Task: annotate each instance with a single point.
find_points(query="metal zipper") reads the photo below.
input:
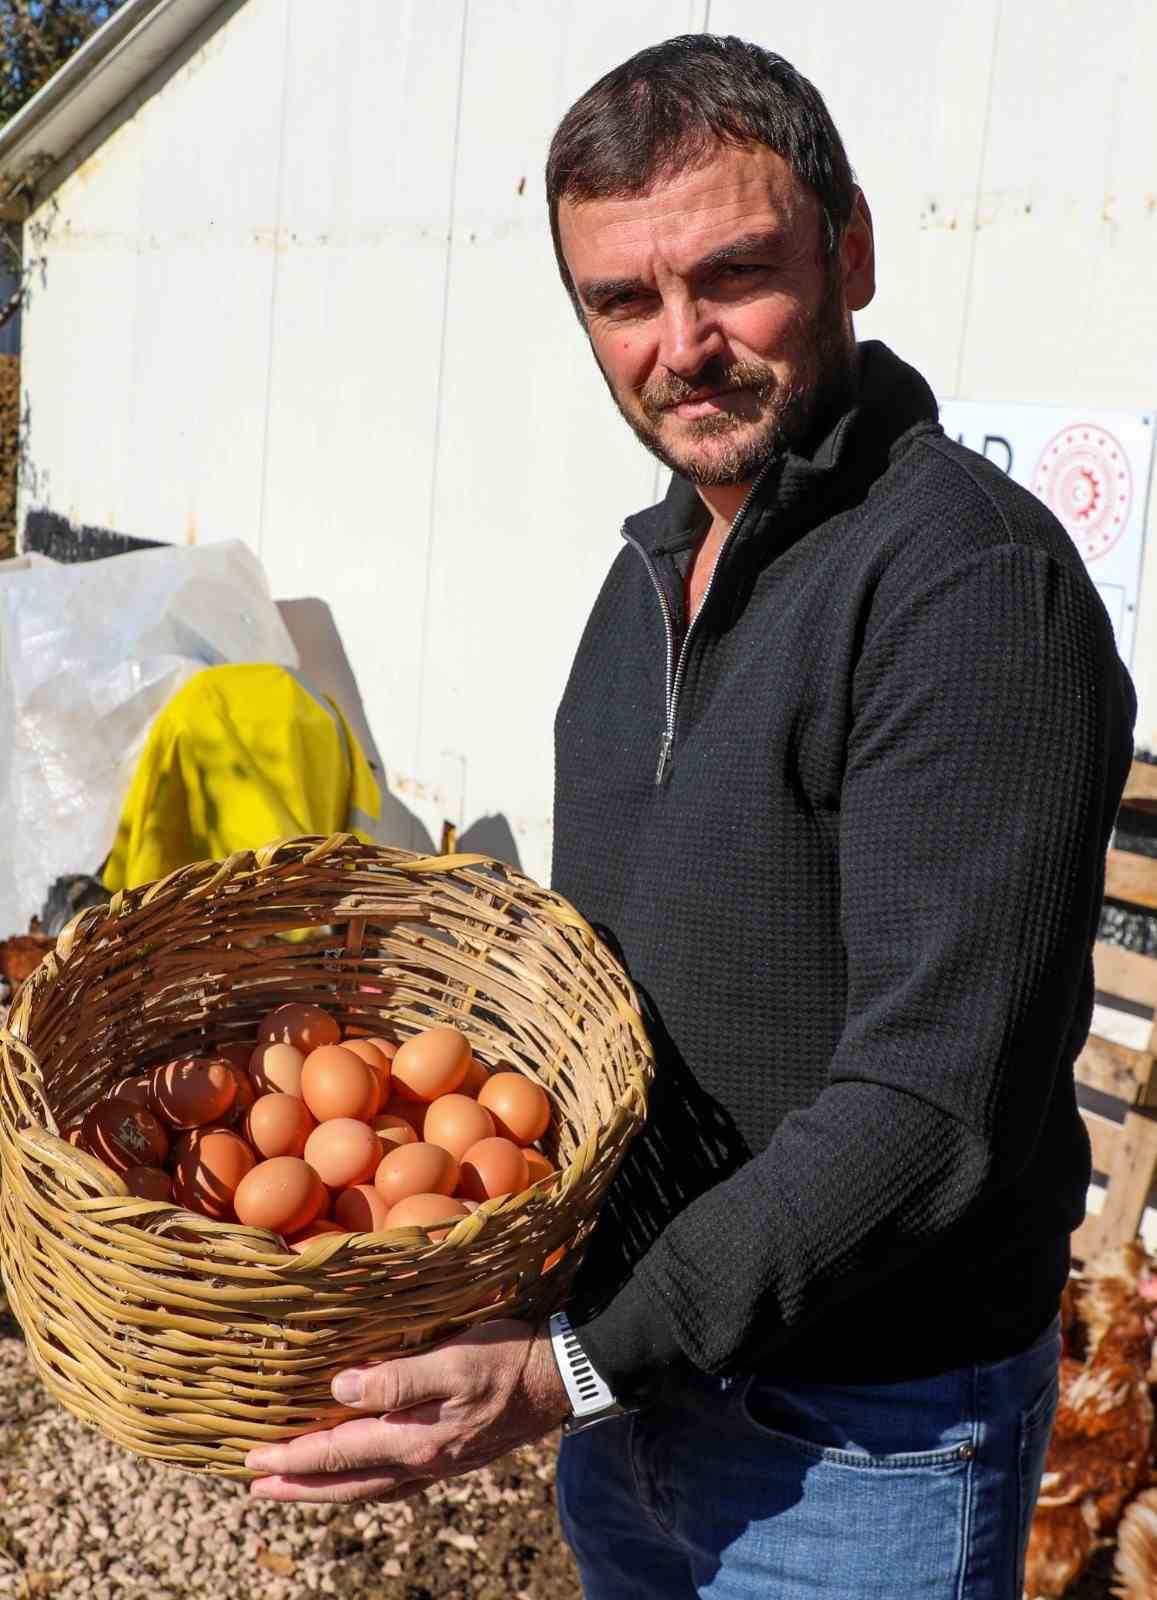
(665, 746)
(674, 681)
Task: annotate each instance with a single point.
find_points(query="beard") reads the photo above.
(786, 413)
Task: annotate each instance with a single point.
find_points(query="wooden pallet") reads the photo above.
(1125, 1150)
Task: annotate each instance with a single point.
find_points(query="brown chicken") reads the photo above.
(20, 956)
(1100, 1450)
(1108, 1291)
(1135, 1563)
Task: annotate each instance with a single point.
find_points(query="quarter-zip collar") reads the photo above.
(891, 399)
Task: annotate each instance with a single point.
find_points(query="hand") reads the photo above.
(433, 1416)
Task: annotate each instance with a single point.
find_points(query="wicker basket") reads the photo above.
(188, 1340)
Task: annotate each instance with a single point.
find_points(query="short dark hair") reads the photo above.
(669, 105)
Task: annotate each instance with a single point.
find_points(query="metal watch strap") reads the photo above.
(590, 1398)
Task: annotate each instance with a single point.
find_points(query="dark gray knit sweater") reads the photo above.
(859, 907)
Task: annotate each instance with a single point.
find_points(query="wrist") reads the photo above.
(589, 1396)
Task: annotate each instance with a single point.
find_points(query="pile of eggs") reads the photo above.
(309, 1133)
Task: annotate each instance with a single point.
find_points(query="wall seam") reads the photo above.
(275, 278)
(439, 390)
(985, 134)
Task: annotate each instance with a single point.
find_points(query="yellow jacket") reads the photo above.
(240, 756)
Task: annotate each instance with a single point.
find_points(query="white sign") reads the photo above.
(1091, 468)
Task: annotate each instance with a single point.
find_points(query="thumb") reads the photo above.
(394, 1385)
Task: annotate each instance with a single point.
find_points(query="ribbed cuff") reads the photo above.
(629, 1342)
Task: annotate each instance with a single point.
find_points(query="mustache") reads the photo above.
(669, 389)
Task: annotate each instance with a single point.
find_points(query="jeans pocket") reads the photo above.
(853, 1428)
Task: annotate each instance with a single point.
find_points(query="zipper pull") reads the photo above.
(664, 756)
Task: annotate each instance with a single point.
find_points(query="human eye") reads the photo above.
(628, 303)
(737, 270)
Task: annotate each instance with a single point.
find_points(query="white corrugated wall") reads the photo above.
(306, 297)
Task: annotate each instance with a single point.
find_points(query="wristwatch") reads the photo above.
(591, 1401)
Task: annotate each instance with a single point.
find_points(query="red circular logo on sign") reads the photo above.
(1083, 477)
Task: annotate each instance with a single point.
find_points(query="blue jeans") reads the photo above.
(736, 1488)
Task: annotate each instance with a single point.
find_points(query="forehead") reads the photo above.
(688, 215)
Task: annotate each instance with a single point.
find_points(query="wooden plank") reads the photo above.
(1131, 878)
(1105, 1137)
(1141, 786)
(1125, 973)
(1118, 1026)
(1114, 1069)
(1130, 1181)
(1086, 1240)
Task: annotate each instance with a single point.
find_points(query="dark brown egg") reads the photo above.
(209, 1171)
(149, 1183)
(123, 1135)
(305, 1027)
(194, 1090)
(137, 1087)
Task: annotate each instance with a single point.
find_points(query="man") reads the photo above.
(836, 770)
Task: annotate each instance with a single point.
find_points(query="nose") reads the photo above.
(688, 339)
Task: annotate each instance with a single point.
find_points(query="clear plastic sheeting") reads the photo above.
(88, 656)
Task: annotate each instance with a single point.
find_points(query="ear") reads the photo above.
(858, 256)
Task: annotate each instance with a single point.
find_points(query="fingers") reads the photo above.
(401, 1383)
(364, 1444)
(339, 1487)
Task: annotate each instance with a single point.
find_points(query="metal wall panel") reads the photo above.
(146, 343)
(357, 329)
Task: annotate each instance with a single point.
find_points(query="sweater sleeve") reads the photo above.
(978, 795)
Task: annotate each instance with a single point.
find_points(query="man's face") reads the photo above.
(718, 321)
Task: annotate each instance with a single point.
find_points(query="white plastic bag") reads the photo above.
(88, 655)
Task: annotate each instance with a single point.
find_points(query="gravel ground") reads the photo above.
(82, 1519)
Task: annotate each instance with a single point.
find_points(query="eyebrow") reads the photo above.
(595, 290)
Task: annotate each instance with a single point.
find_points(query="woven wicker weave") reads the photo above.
(188, 1340)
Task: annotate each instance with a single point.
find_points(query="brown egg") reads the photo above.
(278, 1125)
(276, 1069)
(493, 1167)
(552, 1260)
(361, 1209)
(343, 1152)
(284, 1195)
(137, 1088)
(416, 1169)
(305, 1027)
(75, 1137)
(211, 1167)
(236, 1054)
(423, 1210)
(193, 1090)
(387, 1046)
(316, 1230)
(433, 1062)
(124, 1135)
(149, 1183)
(370, 1053)
(190, 1138)
(456, 1122)
(538, 1165)
(476, 1076)
(392, 1131)
(337, 1083)
(520, 1108)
